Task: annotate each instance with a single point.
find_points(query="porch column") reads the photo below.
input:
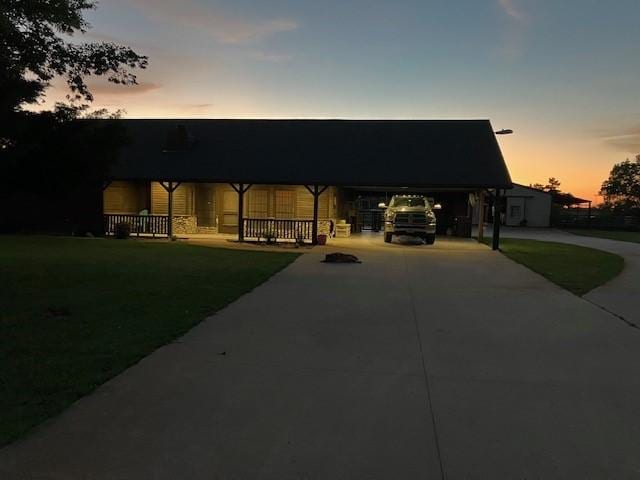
(497, 208)
(104, 230)
(170, 187)
(240, 189)
(316, 191)
(481, 216)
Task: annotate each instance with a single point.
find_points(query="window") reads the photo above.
(515, 211)
(398, 201)
(230, 208)
(285, 204)
(257, 203)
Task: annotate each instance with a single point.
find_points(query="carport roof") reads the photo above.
(425, 153)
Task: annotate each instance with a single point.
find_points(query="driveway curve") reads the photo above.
(621, 295)
(449, 362)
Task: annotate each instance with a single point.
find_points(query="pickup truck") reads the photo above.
(410, 215)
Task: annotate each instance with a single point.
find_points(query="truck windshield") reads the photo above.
(408, 202)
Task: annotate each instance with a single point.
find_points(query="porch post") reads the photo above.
(170, 211)
(241, 212)
(497, 207)
(481, 216)
(240, 189)
(170, 187)
(316, 191)
(314, 231)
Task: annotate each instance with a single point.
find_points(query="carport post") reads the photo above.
(497, 207)
(481, 216)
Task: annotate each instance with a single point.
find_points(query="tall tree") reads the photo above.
(36, 45)
(51, 165)
(622, 189)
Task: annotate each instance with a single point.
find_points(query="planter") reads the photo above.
(322, 239)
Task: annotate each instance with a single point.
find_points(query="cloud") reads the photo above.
(511, 9)
(224, 28)
(104, 88)
(271, 57)
(513, 43)
(625, 139)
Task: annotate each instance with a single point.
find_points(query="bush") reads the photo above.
(123, 230)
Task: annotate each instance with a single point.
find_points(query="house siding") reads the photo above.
(124, 197)
(271, 201)
(183, 199)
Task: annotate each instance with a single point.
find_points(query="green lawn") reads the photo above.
(578, 269)
(621, 235)
(76, 312)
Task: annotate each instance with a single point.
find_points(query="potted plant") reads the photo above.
(322, 239)
(122, 230)
(270, 237)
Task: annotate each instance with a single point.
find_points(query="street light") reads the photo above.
(495, 240)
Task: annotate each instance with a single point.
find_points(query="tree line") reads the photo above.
(53, 162)
(620, 191)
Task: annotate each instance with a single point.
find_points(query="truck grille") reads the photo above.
(411, 218)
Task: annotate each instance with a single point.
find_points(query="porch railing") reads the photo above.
(140, 224)
(279, 229)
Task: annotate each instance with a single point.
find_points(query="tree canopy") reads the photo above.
(48, 161)
(36, 45)
(622, 189)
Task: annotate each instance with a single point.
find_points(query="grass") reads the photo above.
(76, 312)
(620, 235)
(577, 269)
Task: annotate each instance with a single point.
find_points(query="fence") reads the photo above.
(278, 229)
(604, 222)
(140, 224)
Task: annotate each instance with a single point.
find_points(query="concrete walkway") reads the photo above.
(621, 295)
(447, 362)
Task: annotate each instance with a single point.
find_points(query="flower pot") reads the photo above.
(322, 239)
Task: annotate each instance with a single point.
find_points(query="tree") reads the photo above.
(36, 47)
(553, 186)
(51, 161)
(622, 189)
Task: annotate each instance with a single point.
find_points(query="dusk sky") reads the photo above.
(564, 75)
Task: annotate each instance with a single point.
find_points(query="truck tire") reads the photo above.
(387, 237)
(430, 238)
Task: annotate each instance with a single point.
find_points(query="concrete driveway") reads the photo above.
(448, 362)
(620, 296)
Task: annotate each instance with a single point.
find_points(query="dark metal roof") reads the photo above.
(426, 153)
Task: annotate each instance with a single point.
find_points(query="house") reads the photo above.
(298, 177)
(524, 206)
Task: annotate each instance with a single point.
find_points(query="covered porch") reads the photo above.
(250, 212)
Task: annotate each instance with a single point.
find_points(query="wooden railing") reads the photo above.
(140, 224)
(267, 228)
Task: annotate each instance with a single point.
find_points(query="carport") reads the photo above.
(292, 163)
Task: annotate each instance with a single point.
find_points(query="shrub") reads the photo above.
(122, 230)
